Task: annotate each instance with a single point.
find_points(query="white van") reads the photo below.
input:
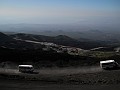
(109, 64)
(25, 68)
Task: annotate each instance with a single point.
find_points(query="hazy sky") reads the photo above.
(60, 12)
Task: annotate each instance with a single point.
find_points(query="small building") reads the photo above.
(25, 68)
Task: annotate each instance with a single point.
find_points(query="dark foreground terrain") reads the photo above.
(34, 85)
(90, 78)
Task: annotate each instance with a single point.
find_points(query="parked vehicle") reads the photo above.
(26, 68)
(109, 64)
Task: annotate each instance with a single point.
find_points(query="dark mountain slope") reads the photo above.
(60, 39)
(5, 38)
(8, 42)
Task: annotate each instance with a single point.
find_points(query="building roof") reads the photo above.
(107, 61)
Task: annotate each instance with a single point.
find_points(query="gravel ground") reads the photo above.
(33, 85)
(82, 78)
(77, 76)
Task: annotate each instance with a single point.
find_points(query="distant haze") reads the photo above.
(28, 28)
(63, 14)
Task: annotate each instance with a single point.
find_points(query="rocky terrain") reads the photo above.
(47, 51)
(75, 76)
(58, 60)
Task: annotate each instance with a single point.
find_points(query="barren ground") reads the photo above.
(82, 78)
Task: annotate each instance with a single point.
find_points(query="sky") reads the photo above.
(83, 12)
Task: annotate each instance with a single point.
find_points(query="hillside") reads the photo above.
(60, 39)
(5, 38)
(58, 51)
(9, 42)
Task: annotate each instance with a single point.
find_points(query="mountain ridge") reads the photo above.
(60, 40)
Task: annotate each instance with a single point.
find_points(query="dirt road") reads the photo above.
(57, 71)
